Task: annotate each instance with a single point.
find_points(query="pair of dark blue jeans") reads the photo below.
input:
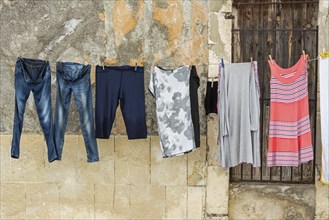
(33, 75)
(75, 78)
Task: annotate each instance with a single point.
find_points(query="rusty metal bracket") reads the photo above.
(228, 15)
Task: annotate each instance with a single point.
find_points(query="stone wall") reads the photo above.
(166, 33)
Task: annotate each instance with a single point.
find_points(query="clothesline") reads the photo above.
(101, 64)
(169, 66)
(172, 66)
(120, 64)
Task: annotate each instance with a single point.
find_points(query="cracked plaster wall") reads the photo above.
(167, 33)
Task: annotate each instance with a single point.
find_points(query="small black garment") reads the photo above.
(210, 102)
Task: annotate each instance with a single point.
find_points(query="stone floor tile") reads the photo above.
(321, 199)
(129, 172)
(122, 201)
(97, 172)
(217, 197)
(176, 202)
(195, 203)
(137, 150)
(101, 171)
(156, 153)
(220, 218)
(167, 171)
(139, 174)
(42, 201)
(65, 170)
(76, 201)
(212, 134)
(103, 201)
(132, 161)
(119, 126)
(121, 172)
(105, 149)
(30, 167)
(5, 147)
(70, 152)
(112, 202)
(147, 202)
(13, 201)
(196, 165)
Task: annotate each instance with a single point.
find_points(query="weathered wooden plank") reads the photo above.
(286, 174)
(266, 123)
(269, 48)
(247, 50)
(308, 168)
(310, 48)
(256, 53)
(235, 172)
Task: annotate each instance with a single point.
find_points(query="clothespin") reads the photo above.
(270, 58)
(152, 67)
(103, 65)
(324, 55)
(134, 63)
(212, 82)
(304, 55)
(222, 62)
(251, 59)
(93, 73)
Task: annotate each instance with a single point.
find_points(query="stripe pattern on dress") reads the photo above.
(289, 129)
(290, 158)
(288, 93)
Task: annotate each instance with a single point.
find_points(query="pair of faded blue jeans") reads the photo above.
(34, 75)
(75, 78)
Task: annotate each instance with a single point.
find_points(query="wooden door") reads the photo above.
(282, 28)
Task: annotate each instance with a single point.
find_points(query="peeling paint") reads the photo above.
(123, 20)
(70, 27)
(101, 16)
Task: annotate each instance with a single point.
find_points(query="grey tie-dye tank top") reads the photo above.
(173, 109)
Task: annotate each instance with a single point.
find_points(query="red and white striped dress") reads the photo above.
(290, 141)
